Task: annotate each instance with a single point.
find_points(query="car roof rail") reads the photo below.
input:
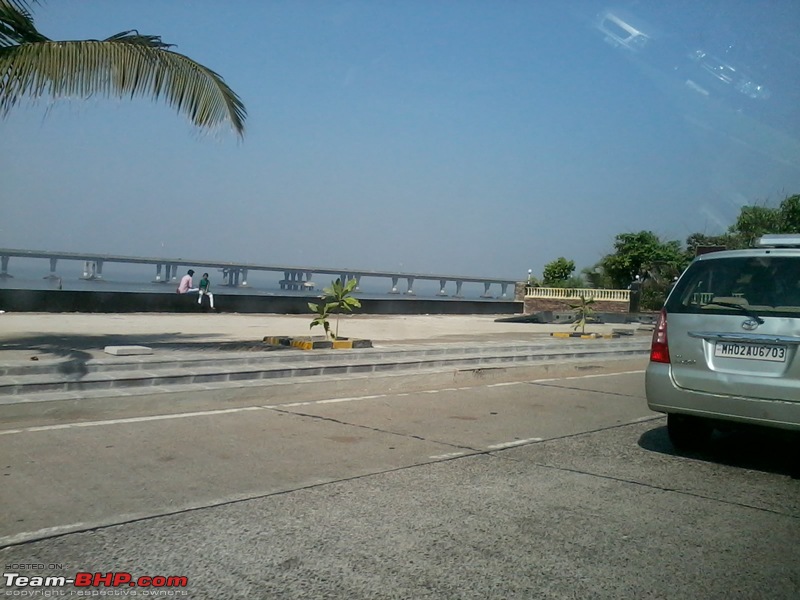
(779, 240)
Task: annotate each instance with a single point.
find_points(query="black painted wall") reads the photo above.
(15, 300)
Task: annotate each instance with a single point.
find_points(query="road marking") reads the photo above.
(225, 411)
(330, 401)
(585, 376)
(450, 455)
(512, 444)
(131, 420)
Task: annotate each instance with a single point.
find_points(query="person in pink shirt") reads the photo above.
(186, 286)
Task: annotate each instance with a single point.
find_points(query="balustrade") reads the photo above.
(546, 293)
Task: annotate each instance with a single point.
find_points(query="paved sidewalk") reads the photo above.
(24, 336)
(59, 360)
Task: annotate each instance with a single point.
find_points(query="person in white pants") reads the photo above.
(205, 286)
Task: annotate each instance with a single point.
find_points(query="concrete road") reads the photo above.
(557, 487)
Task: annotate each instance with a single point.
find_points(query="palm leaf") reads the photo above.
(124, 65)
(16, 24)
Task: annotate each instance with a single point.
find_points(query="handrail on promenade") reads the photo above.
(549, 293)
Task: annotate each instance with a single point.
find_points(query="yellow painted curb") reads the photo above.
(305, 343)
(584, 336)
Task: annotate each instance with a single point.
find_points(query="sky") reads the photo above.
(473, 137)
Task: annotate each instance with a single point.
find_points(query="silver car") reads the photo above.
(726, 348)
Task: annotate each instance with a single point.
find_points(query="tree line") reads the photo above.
(657, 262)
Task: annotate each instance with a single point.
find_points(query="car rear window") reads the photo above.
(763, 284)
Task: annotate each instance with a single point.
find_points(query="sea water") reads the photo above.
(33, 274)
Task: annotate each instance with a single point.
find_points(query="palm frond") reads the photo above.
(126, 64)
(16, 24)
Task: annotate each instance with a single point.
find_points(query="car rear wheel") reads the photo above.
(688, 433)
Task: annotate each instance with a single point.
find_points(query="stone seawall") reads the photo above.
(56, 301)
(534, 305)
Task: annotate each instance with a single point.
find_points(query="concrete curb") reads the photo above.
(22, 381)
(314, 343)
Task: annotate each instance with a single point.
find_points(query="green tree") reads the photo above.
(642, 254)
(583, 312)
(727, 240)
(124, 65)
(323, 315)
(574, 281)
(754, 221)
(335, 300)
(596, 277)
(789, 220)
(557, 272)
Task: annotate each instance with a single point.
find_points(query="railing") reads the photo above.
(575, 294)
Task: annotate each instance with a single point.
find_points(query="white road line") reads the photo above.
(512, 444)
(329, 401)
(450, 455)
(585, 376)
(206, 413)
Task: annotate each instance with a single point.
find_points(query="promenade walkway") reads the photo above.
(25, 335)
(46, 358)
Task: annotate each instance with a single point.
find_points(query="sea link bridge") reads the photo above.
(235, 274)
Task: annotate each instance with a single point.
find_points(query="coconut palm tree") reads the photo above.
(124, 65)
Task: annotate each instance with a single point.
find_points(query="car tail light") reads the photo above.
(659, 349)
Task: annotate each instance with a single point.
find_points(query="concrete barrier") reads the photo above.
(58, 301)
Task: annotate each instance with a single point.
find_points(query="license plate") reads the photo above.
(751, 351)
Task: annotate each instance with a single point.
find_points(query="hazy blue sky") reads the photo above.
(474, 137)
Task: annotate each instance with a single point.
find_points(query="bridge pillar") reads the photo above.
(306, 284)
(458, 289)
(358, 283)
(486, 293)
(90, 269)
(504, 288)
(394, 285)
(410, 292)
(230, 277)
(158, 274)
(293, 280)
(99, 273)
(442, 283)
(244, 277)
(52, 275)
(4, 267)
(172, 272)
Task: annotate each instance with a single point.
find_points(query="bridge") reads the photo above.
(235, 274)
